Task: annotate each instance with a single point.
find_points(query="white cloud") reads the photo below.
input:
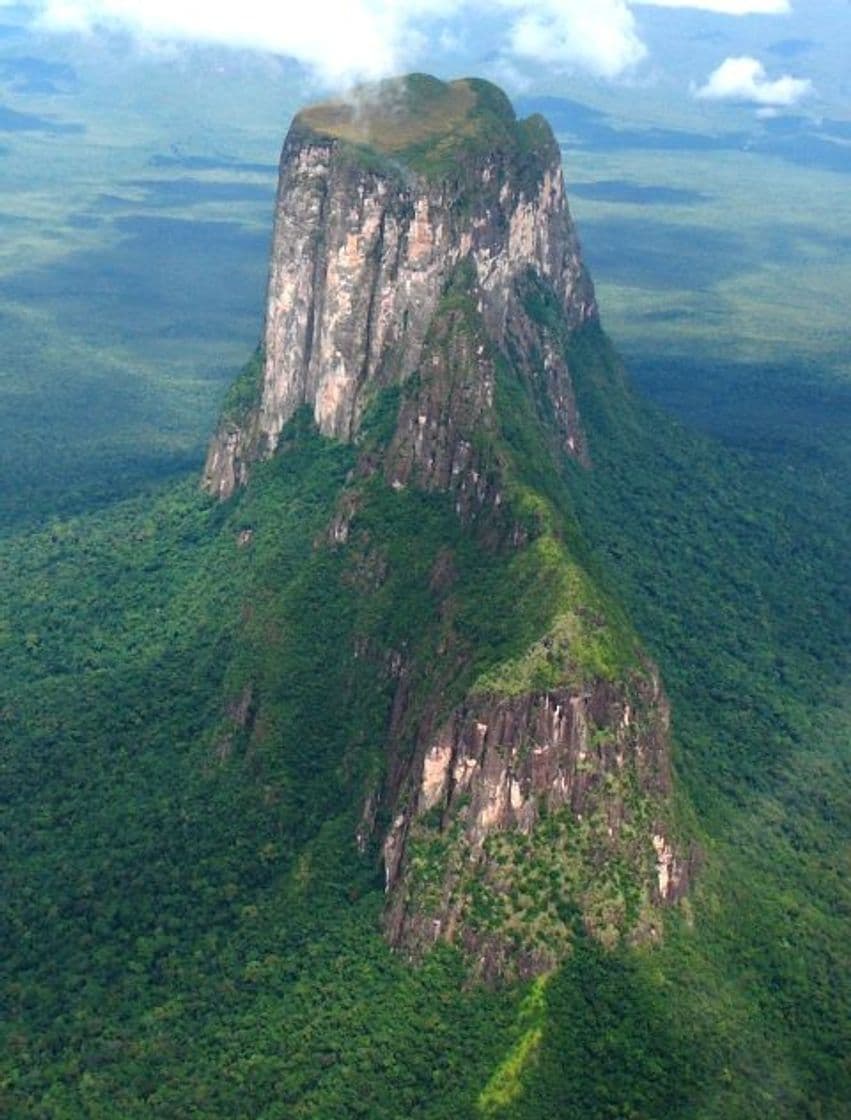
(745, 79)
(726, 7)
(347, 40)
(340, 39)
(343, 41)
(600, 37)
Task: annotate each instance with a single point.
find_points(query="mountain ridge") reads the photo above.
(451, 297)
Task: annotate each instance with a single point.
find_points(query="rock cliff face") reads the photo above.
(520, 812)
(367, 235)
(425, 263)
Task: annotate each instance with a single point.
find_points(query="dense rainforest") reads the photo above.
(189, 928)
(179, 945)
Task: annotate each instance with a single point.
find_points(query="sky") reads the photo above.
(345, 41)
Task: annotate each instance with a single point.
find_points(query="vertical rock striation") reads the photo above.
(423, 241)
(521, 812)
(369, 228)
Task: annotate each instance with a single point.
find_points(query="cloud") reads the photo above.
(745, 79)
(347, 40)
(726, 7)
(600, 37)
(344, 41)
(339, 39)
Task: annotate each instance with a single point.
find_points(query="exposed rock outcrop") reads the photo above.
(517, 811)
(366, 237)
(425, 263)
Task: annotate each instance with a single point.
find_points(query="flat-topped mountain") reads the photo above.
(379, 200)
(288, 766)
(425, 289)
